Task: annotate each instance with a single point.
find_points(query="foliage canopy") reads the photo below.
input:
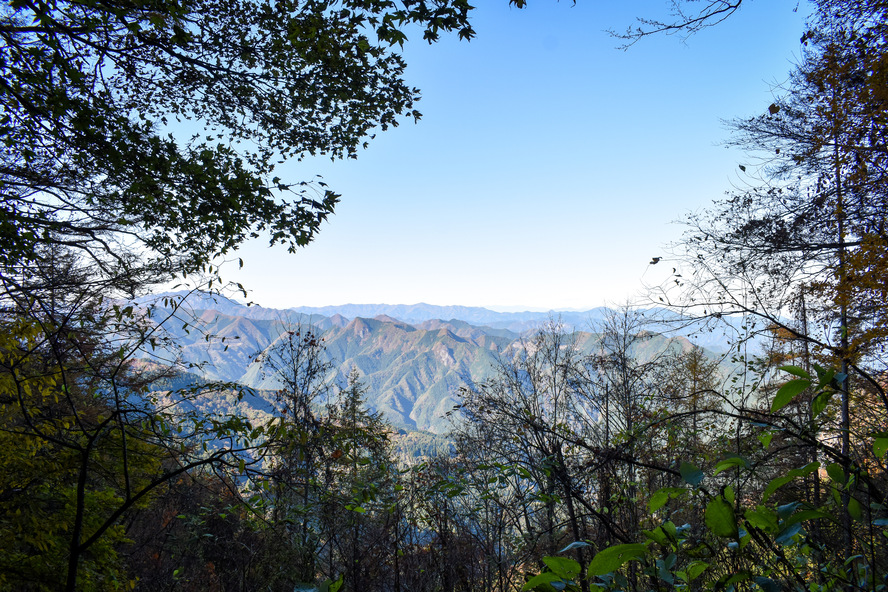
(95, 98)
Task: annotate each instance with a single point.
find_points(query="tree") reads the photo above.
(89, 92)
(197, 534)
(42, 467)
(296, 452)
(328, 485)
(568, 431)
(811, 238)
(801, 254)
(686, 18)
(811, 234)
(89, 444)
(690, 394)
(358, 509)
(90, 179)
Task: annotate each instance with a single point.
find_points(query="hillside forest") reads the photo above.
(729, 434)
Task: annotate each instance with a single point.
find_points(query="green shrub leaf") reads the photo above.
(820, 402)
(796, 371)
(731, 462)
(788, 392)
(541, 579)
(662, 495)
(613, 558)
(565, 567)
(836, 473)
(720, 518)
(690, 473)
(880, 446)
(695, 569)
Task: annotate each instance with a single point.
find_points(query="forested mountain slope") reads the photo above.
(413, 372)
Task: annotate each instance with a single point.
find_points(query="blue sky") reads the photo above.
(548, 167)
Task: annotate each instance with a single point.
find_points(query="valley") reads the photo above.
(413, 367)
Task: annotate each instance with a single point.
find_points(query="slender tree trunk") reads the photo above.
(572, 515)
(397, 565)
(77, 531)
(845, 427)
(806, 353)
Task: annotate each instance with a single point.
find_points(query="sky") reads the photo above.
(548, 168)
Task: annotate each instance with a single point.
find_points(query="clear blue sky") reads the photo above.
(548, 167)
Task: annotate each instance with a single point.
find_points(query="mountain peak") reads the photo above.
(384, 318)
(337, 320)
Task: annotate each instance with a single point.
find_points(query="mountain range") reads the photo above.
(411, 360)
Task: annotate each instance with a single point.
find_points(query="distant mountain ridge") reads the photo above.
(408, 313)
(661, 320)
(413, 370)
(475, 315)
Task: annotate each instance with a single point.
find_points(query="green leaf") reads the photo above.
(565, 567)
(720, 518)
(658, 500)
(774, 485)
(880, 446)
(737, 578)
(796, 371)
(767, 584)
(786, 535)
(731, 462)
(788, 392)
(824, 377)
(779, 482)
(662, 495)
(541, 579)
(804, 471)
(836, 492)
(820, 402)
(762, 518)
(663, 573)
(836, 473)
(613, 558)
(854, 509)
(658, 535)
(326, 585)
(690, 473)
(784, 511)
(695, 569)
(808, 515)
